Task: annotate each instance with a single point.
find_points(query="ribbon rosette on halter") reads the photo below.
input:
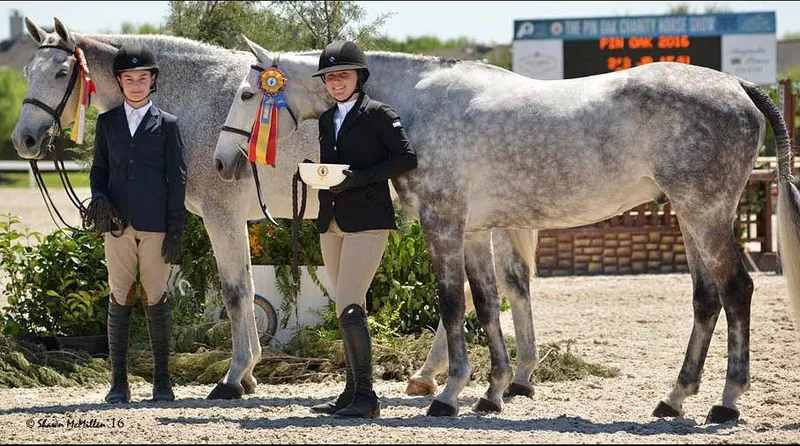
(86, 87)
(264, 139)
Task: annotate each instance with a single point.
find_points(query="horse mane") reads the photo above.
(433, 60)
(414, 57)
(161, 43)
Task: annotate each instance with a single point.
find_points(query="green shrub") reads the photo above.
(55, 286)
(271, 245)
(58, 283)
(403, 297)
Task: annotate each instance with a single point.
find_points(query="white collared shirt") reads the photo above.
(135, 115)
(342, 108)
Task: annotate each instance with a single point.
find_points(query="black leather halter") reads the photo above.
(55, 142)
(249, 134)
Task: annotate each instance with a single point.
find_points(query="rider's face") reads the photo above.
(341, 84)
(136, 85)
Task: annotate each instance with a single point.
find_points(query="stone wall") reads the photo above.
(621, 251)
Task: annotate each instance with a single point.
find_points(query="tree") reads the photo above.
(13, 89)
(223, 23)
(321, 22)
(685, 9)
(421, 45)
(281, 26)
(679, 9)
(791, 36)
(717, 9)
(146, 28)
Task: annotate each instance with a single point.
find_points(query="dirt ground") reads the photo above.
(28, 204)
(640, 324)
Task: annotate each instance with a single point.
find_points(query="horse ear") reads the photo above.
(37, 34)
(261, 54)
(63, 32)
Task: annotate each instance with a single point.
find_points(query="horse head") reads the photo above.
(230, 155)
(50, 103)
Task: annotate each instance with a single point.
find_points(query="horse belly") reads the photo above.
(558, 207)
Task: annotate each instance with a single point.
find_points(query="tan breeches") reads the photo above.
(351, 259)
(122, 256)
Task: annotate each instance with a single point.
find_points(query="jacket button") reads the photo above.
(130, 161)
(130, 177)
(133, 145)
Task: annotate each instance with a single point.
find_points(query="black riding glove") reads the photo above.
(348, 182)
(172, 248)
(98, 214)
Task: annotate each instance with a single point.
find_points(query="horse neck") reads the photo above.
(393, 77)
(191, 68)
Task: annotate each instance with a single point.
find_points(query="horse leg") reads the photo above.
(514, 252)
(444, 234)
(231, 250)
(249, 381)
(481, 275)
(514, 274)
(424, 380)
(707, 306)
(717, 246)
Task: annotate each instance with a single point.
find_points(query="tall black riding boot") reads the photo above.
(358, 344)
(158, 323)
(118, 330)
(346, 396)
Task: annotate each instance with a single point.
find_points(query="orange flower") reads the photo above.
(255, 241)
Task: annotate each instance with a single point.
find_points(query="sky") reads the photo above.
(485, 22)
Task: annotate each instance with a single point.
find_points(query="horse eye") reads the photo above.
(61, 73)
(246, 95)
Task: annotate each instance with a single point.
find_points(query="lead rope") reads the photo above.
(297, 218)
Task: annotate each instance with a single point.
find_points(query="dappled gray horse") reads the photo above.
(496, 149)
(509, 254)
(197, 84)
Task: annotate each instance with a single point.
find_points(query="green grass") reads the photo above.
(51, 179)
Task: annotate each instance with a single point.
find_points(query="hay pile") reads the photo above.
(203, 358)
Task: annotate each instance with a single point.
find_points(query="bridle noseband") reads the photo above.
(55, 141)
(56, 112)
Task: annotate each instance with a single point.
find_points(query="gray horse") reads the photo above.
(496, 149)
(509, 253)
(197, 84)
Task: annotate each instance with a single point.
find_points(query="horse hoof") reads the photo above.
(420, 387)
(249, 386)
(440, 409)
(519, 390)
(226, 392)
(485, 405)
(664, 410)
(721, 414)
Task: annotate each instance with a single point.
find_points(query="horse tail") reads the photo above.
(788, 197)
(525, 242)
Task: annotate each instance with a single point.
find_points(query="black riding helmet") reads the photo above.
(342, 55)
(136, 56)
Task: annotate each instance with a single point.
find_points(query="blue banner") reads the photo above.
(705, 25)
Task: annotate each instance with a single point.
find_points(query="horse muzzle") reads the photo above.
(232, 170)
(30, 147)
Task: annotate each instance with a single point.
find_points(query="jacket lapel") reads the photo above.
(149, 122)
(353, 114)
(122, 122)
